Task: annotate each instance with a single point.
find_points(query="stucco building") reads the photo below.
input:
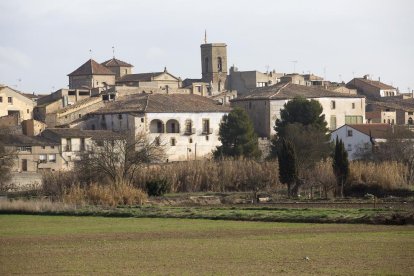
(15, 103)
(372, 89)
(264, 104)
(186, 125)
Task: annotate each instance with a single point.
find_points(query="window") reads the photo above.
(80, 115)
(28, 111)
(392, 121)
(52, 147)
(349, 147)
(68, 144)
(24, 165)
(72, 92)
(333, 123)
(173, 142)
(207, 137)
(353, 105)
(42, 158)
(189, 127)
(1, 99)
(333, 104)
(349, 133)
(52, 158)
(353, 119)
(410, 121)
(120, 116)
(10, 100)
(43, 147)
(25, 148)
(82, 144)
(206, 126)
(142, 120)
(190, 140)
(219, 64)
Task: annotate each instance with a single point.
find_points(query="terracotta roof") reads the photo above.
(395, 103)
(91, 67)
(376, 84)
(139, 77)
(23, 140)
(289, 90)
(162, 103)
(113, 62)
(376, 130)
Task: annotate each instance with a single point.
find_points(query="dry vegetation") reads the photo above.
(220, 176)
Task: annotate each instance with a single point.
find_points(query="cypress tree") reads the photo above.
(288, 172)
(340, 164)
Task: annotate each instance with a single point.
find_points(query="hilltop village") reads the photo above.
(106, 99)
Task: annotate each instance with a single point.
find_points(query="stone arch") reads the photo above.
(157, 126)
(410, 121)
(172, 126)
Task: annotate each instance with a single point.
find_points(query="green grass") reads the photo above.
(65, 245)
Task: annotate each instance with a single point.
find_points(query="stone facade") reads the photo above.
(244, 81)
(214, 65)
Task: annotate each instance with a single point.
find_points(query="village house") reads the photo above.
(245, 81)
(186, 125)
(391, 110)
(360, 139)
(15, 103)
(91, 75)
(372, 89)
(264, 104)
(74, 142)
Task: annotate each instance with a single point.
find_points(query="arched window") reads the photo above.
(206, 64)
(219, 64)
(410, 121)
(156, 126)
(173, 126)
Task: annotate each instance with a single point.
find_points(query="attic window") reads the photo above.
(353, 105)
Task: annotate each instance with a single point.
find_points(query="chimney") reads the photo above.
(366, 77)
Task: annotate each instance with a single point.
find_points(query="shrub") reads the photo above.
(157, 187)
(105, 195)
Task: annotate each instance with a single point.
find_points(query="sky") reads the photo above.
(41, 41)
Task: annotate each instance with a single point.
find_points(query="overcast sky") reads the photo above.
(44, 40)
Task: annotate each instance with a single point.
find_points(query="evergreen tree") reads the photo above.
(237, 136)
(340, 164)
(288, 172)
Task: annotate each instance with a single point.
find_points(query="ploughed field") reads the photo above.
(65, 245)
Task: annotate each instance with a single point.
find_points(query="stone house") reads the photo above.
(264, 104)
(360, 138)
(91, 75)
(372, 89)
(245, 81)
(187, 125)
(119, 67)
(391, 110)
(74, 142)
(13, 102)
(163, 80)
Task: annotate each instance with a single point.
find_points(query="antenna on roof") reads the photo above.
(113, 51)
(294, 65)
(205, 36)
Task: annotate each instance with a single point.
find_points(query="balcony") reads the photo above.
(190, 131)
(207, 131)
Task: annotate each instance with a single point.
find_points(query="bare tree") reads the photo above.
(119, 158)
(7, 156)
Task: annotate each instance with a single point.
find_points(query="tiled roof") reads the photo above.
(162, 103)
(113, 62)
(23, 140)
(139, 77)
(376, 84)
(91, 67)
(391, 102)
(375, 130)
(79, 133)
(283, 90)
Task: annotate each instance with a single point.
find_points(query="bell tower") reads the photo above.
(214, 65)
